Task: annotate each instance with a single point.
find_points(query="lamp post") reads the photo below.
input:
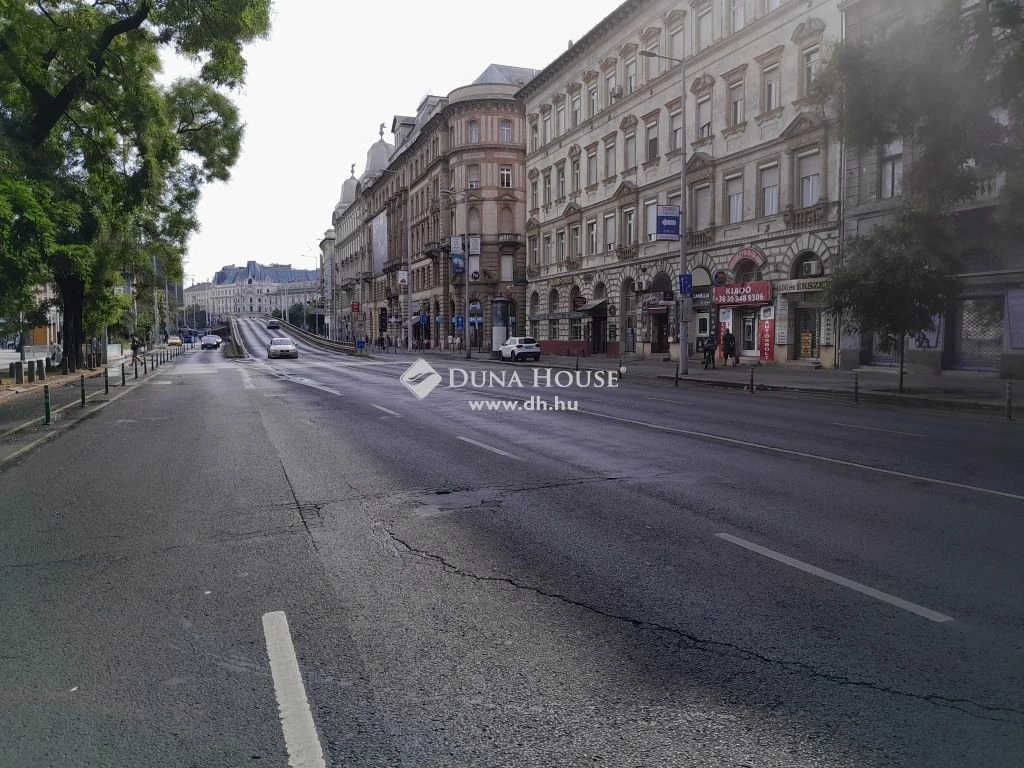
(683, 304)
(465, 274)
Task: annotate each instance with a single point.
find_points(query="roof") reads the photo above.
(275, 273)
(502, 74)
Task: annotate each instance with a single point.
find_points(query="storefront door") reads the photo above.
(659, 333)
(808, 321)
(748, 339)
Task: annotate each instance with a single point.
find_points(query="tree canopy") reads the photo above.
(101, 164)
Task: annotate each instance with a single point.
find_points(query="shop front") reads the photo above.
(805, 330)
(738, 306)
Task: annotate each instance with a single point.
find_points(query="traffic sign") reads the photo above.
(667, 222)
(460, 322)
(360, 344)
(686, 284)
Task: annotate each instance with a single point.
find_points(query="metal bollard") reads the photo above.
(10, 368)
(751, 379)
(19, 372)
(46, 403)
(577, 359)
(106, 381)
(1009, 401)
(41, 370)
(65, 364)
(82, 380)
(72, 364)
(144, 366)
(856, 389)
(31, 371)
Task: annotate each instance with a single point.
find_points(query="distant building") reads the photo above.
(255, 289)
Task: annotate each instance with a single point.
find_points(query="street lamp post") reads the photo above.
(465, 274)
(683, 304)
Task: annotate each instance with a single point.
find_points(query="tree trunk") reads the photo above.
(903, 348)
(72, 291)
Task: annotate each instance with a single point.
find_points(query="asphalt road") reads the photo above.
(661, 577)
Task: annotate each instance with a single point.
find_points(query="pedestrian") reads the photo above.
(729, 351)
(451, 341)
(135, 344)
(710, 346)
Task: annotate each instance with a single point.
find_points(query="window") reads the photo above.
(505, 132)
(592, 103)
(505, 176)
(474, 132)
(561, 181)
(533, 250)
(704, 28)
(651, 218)
(736, 115)
(809, 170)
(576, 174)
(770, 190)
(560, 120)
(734, 199)
(771, 5)
(547, 128)
(652, 63)
(576, 109)
(473, 176)
(811, 62)
(534, 138)
(702, 208)
(547, 187)
(630, 71)
(629, 151)
(739, 11)
(609, 87)
(675, 44)
(704, 118)
(547, 249)
(628, 226)
(534, 202)
(591, 166)
(747, 271)
(508, 266)
(592, 236)
(771, 95)
(652, 140)
(892, 169)
(560, 246)
(609, 160)
(574, 241)
(609, 231)
(675, 130)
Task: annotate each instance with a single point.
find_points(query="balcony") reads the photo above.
(510, 237)
(393, 264)
(573, 264)
(627, 252)
(432, 249)
(701, 239)
(806, 217)
(533, 271)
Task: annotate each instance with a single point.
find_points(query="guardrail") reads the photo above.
(348, 347)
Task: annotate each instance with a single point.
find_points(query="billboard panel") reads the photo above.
(379, 234)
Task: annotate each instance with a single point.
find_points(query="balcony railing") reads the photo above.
(626, 252)
(509, 237)
(701, 239)
(573, 263)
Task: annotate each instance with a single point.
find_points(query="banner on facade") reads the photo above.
(766, 330)
(738, 294)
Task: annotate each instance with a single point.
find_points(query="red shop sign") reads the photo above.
(750, 294)
(767, 345)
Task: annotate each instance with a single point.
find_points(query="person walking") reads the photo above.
(710, 347)
(729, 351)
(135, 344)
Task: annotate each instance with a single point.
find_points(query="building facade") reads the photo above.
(254, 289)
(976, 332)
(456, 170)
(609, 130)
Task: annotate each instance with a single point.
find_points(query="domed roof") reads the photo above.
(348, 189)
(379, 154)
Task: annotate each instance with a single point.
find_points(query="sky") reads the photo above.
(318, 89)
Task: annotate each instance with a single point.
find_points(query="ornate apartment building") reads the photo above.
(254, 289)
(456, 170)
(608, 134)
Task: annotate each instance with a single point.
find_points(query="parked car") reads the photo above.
(174, 341)
(282, 347)
(210, 342)
(519, 348)
(273, 324)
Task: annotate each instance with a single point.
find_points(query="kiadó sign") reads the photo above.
(740, 294)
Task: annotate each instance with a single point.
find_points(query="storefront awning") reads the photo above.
(593, 305)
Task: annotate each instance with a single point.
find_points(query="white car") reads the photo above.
(519, 348)
(282, 347)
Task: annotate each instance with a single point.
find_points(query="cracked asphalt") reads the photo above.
(509, 589)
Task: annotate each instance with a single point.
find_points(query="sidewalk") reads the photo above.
(953, 389)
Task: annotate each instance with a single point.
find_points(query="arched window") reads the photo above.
(807, 264)
(747, 271)
(505, 220)
(473, 132)
(600, 291)
(473, 219)
(505, 132)
(534, 303)
(553, 300)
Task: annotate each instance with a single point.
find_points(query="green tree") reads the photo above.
(893, 283)
(85, 126)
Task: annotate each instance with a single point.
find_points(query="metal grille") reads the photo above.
(878, 357)
(978, 341)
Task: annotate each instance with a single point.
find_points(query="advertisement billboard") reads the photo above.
(379, 235)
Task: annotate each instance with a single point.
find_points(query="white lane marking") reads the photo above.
(669, 400)
(803, 455)
(885, 597)
(300, 738)
(247, 380)
(485, 447)
(875, 429)
(386, 410)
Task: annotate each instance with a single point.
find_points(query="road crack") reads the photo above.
(685, 641)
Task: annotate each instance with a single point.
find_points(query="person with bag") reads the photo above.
(136, 344)
(729, 351)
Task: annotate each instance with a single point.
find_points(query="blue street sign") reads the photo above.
(460, 322)
(424, 320)
(686, 284)
(360, 344)
(667, 222)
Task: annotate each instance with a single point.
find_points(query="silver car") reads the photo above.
(282, 347)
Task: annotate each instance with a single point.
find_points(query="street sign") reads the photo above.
(360, 344)
(474, 245)
(424, 319)
(474, 306)
(355, 306)
(720, 277)
(460, 322)
(578, 303)
(686, 284)
(403, 277)
(667, 222)
(456, 246)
